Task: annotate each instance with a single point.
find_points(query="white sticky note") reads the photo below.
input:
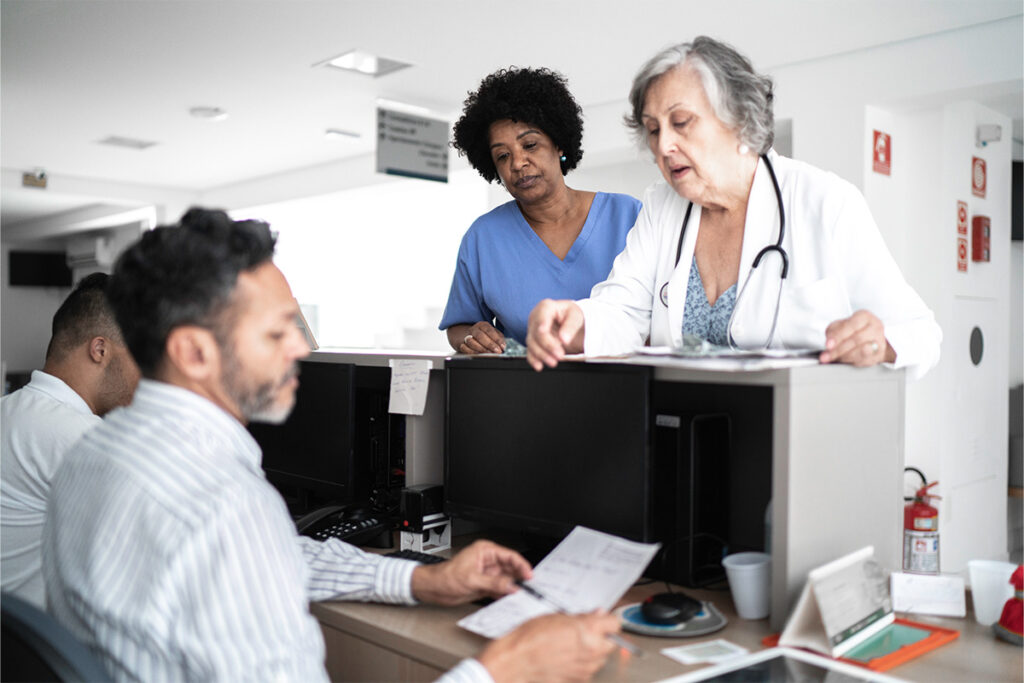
(409, 380)
(709, 651)
(941, 594)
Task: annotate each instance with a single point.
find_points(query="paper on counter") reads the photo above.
(709, 651)
(587, 570)
(409, 380)
(924, 594)
(726, 352)
(724, 359)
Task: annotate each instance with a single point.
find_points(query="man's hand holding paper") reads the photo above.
(589, 570)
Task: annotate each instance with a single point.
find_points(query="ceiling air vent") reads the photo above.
(129, 143)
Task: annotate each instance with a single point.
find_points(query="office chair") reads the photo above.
(37, 648)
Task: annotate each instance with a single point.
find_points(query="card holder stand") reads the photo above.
(845, 612)
(900, 654)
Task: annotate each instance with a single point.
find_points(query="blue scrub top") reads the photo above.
(505, 269)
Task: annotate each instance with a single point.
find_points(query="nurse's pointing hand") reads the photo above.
(554, 329)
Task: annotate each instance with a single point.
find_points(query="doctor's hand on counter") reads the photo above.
(858, 340)
(554, 329)
(555, 647)
(481, 337)
(484, 569)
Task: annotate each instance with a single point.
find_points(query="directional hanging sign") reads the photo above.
(412, 146)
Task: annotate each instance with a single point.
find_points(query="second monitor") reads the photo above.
(544, 452)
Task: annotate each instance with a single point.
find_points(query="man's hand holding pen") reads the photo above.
(556, 646)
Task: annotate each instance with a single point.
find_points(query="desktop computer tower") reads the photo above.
(379, 436)
(339, 446)
(711, 465)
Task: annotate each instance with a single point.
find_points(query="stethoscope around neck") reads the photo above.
(776, 248)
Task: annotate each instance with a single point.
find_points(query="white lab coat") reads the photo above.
(838, 264)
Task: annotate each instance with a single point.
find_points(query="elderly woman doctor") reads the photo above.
(739, 245)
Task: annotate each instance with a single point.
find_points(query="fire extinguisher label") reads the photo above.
(925, 523)
(921, 552)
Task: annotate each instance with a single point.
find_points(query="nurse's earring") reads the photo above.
(743, 149)
(562, 158)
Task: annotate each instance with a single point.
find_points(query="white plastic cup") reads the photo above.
(990, 588)
(750, 580)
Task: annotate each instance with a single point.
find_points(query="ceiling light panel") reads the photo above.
(364, 63)
(338, 133)
(208, 113)
(127, 143)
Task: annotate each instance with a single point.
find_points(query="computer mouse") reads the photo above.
(669, 609)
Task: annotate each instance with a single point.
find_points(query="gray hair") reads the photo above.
(740, 97)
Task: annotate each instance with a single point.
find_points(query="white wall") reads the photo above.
(956, 416)
(1017, 314)
(826, 98)
(628, 177)
(378, 260)
(27, 313)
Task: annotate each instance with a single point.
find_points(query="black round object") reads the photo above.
(977, 345)
(669, 608)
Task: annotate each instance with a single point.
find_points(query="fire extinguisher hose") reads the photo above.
(924, 480)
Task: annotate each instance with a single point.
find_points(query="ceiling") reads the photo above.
(77, 71)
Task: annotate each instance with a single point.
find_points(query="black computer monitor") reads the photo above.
(544, 452)
(334, 447)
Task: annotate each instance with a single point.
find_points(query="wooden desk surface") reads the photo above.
(428, 636)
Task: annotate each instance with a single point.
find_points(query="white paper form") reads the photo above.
(587, 570)
(409, 380)
(729, 360)
(923, 594)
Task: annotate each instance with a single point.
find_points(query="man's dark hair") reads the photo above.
(183, 274)
(539, 97)
(85, 314)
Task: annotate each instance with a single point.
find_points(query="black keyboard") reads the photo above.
(354, 531)
(422, 558)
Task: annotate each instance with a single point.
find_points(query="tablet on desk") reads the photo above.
(783, 664)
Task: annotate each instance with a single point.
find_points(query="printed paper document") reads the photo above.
(587, 570)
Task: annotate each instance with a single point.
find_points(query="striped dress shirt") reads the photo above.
(168, 552)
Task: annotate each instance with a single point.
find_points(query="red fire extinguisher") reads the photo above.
(921, 530)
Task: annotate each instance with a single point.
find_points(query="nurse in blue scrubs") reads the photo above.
(523, 128)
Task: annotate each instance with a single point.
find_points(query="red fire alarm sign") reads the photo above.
(882, 153)
(961, 254)
(978, 177)
(961, 218)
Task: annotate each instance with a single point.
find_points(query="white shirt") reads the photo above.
(40, 422)
(167, 551)
(838, 264)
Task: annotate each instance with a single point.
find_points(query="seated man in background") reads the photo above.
(167, 550)
(88, 371)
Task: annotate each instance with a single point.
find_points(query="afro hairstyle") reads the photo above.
(536, 96)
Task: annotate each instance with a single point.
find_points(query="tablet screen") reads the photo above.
(782, 667)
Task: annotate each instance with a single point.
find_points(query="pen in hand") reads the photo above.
(614, 637)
